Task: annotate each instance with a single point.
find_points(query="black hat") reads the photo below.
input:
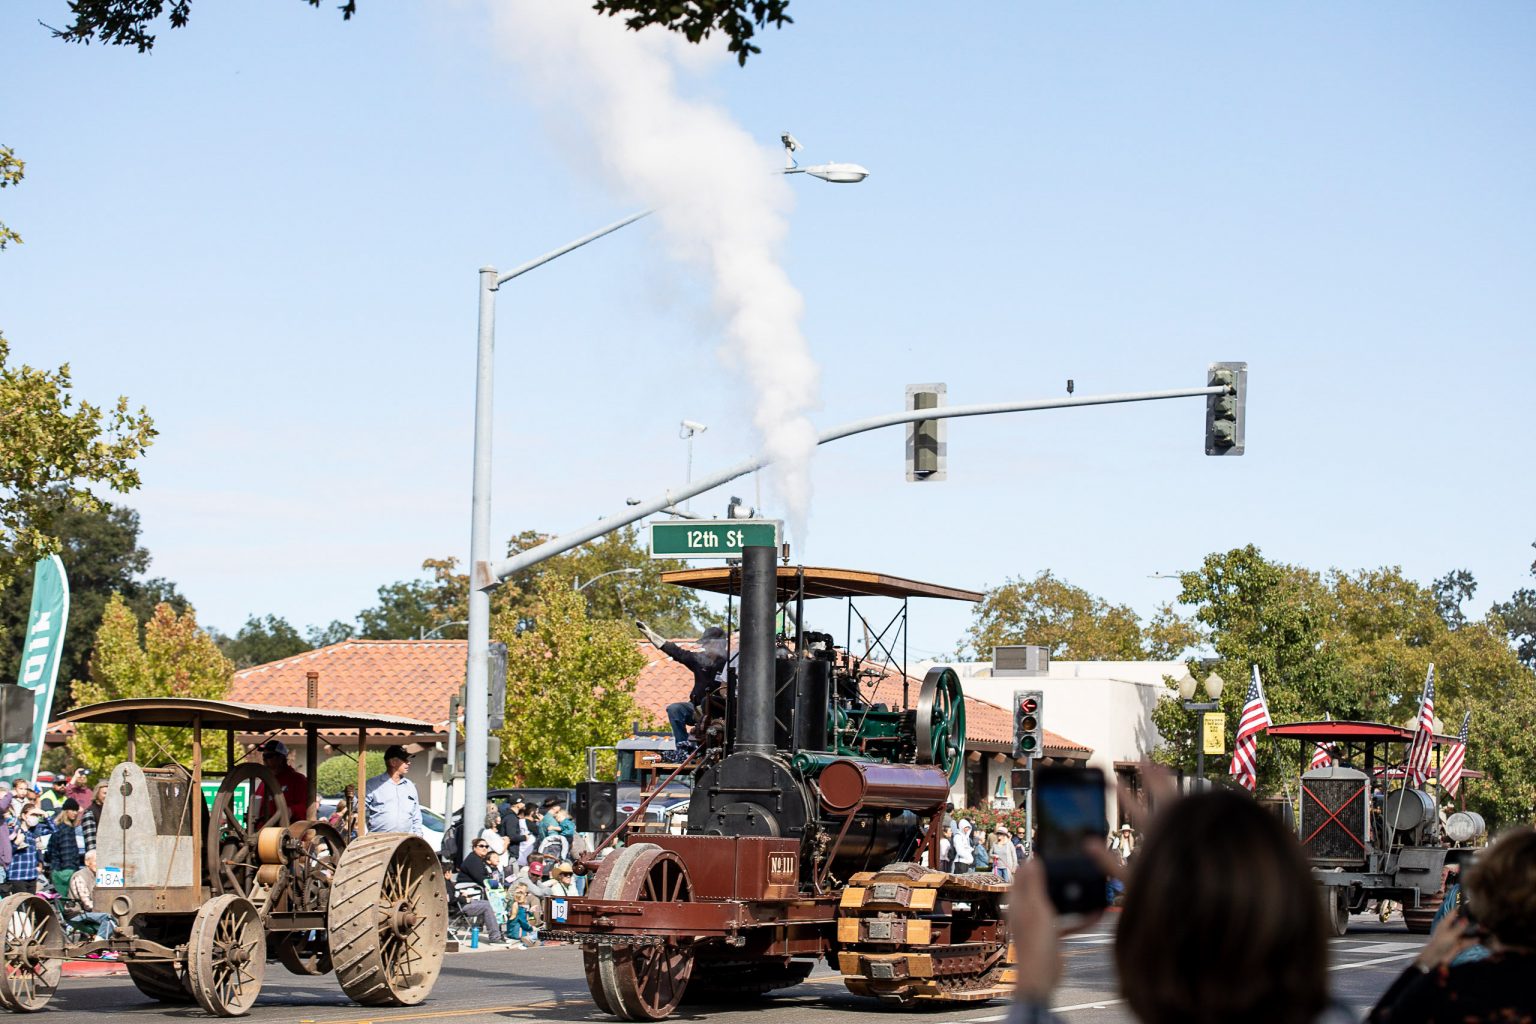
(515, 799)
(69, 804)
(395, 752)
(712, 633)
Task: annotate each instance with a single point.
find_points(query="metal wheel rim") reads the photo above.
(234, 871)
(319, 848)
(388, 919)
(941, 722)
(226, 958)
(646, 982)
(30, 928)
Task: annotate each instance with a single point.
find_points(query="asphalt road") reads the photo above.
(546, 984)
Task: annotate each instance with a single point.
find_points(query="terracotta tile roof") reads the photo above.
(663, 681)
(412, 678)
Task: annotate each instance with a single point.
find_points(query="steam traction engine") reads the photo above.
(804, 836)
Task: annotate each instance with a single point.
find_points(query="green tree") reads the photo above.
(1074, 624)
(12, 171)
(570, 685)
(335, 774)
(172, 658)
(1356, 645)
(127, 22)
(261, 640)
(102, 556)
(1518, 616)
(51, 449)
(412, 608)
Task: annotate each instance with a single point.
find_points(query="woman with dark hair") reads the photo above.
(1500, 912)
(1218, 891)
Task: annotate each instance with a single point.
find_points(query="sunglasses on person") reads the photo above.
(482, 846)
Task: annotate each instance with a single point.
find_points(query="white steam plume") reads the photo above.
(715, 190)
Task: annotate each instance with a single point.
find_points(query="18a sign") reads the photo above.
(711, 538)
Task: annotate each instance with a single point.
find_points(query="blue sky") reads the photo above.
(267, 231)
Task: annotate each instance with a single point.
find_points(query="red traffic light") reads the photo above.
(1029, 706)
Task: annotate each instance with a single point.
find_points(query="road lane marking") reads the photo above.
(1371, 963)
(1384, 947)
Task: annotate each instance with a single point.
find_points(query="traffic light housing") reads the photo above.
(1028, 733)
(1224, 412)
(927, 449)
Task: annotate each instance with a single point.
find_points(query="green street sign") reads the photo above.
(242, 796)
(711, 538)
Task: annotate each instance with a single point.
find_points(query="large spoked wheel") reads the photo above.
(388, 919)
(29, 932)
(231, 846)
(941, 723)
(226, 956)
(643, 982)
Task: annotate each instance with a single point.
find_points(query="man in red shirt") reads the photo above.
(295, 787)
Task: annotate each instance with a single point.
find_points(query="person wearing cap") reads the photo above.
(62, 857)
(390, 800)
(293, 783)
(562, 880)
(51, 791)
(1005, 859)
(705, 664)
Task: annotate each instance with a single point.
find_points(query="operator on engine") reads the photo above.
(707, 665)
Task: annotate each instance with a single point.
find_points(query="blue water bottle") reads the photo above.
(474, 937)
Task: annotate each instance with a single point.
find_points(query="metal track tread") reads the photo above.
(387, 920)
(888, 924)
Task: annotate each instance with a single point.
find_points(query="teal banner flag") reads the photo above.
(40, 650)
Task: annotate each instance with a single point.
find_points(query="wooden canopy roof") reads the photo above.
(819, 582)
(228, 714)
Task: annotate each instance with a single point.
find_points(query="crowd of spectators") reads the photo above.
(48, 845)
(525, 852)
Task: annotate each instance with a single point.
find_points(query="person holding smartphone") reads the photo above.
(1219, 890)
(1499, 913)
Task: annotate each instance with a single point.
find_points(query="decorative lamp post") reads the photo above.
(1214, 684)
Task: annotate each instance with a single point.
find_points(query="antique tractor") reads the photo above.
(811, 807)
(203, 896)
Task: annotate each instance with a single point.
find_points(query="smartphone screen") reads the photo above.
(1069, 810)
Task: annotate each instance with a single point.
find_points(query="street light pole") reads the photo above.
(1213, 686)
(578, 586)
(476, 683)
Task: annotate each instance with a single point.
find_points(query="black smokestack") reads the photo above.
(755, 678)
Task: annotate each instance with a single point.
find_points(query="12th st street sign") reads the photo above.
(711, 538)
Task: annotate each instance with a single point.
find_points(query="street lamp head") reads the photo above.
(1214, 684)
(838, 174)
(1187, 685)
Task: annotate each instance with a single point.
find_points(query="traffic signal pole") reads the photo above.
(487, 575)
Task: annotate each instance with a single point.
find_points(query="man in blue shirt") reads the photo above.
(390, 800)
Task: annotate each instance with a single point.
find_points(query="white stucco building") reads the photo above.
(1103, 705)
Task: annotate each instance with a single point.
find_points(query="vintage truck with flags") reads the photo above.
(1367, 840)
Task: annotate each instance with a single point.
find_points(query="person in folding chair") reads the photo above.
(470, 909)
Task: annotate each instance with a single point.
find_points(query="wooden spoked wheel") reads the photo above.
(226, 956)
(31, 937)
(941, 723)
(230, 847)
(388, 919)
(643, 982)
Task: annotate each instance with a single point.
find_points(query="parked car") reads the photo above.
(432, 824)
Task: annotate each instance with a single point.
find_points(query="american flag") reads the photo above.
(1321, 758)
(1254, 720)
(1455, 759)
(1424, 738)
